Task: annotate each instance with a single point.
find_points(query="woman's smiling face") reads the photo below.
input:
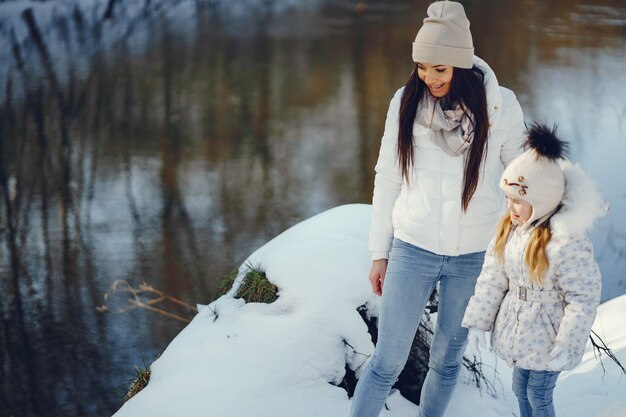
(436, 77)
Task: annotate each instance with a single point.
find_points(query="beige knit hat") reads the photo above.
(536, 175)
(445, 37)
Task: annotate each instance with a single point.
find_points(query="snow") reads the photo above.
(282, 359)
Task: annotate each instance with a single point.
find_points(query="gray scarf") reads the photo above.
(453, 129)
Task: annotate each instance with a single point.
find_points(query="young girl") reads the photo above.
(540, 285)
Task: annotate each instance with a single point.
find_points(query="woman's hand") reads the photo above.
(377, 275)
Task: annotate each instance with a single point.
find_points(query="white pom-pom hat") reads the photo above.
(536, 175)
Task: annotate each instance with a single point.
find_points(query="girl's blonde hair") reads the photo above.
(536, 256)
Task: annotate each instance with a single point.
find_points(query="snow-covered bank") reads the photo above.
(282, 359)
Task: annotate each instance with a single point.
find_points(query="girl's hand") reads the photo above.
(476, 340)
(377, 275)
(559, 359)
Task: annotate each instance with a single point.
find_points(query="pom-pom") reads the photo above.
(544, 141)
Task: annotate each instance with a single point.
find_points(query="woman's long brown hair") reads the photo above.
(467, 89)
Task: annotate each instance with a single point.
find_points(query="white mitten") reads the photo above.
(476, 339)
(559, 358)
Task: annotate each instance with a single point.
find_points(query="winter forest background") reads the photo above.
(164, 141)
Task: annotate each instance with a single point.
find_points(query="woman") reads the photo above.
(449, 134)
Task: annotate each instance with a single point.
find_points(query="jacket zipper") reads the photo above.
(517, 313)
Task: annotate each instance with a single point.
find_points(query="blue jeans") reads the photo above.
(412, 273)
(534, 392)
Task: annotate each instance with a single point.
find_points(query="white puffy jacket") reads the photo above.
(526, 324)
(427, 212)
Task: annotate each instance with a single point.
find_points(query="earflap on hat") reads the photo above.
(536, 176)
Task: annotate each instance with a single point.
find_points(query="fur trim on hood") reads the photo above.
(582, 203)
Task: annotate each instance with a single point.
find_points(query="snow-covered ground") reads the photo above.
(282, 359)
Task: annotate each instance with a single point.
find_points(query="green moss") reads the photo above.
(225, 284)
(256, 287)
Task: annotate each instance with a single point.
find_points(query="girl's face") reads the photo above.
(436, 77)
(520, 210)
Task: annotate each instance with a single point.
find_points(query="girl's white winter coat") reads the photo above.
(427, 211)
(527, 320)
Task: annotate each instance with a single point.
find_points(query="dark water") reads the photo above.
(165, 142)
